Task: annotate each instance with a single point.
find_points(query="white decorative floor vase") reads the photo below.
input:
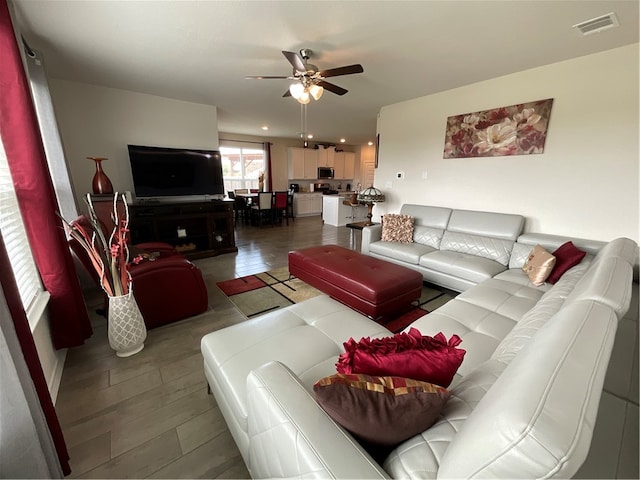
(127, 331)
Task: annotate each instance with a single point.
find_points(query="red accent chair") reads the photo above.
(167, 289)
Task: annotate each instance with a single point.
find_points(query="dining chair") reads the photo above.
(262, 211)
(280, 200)
(289, 211)
(241, 209)
(241, 190)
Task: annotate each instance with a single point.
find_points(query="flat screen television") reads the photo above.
(175, 173)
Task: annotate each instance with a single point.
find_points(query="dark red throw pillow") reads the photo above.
(567, 256)
(410, 355)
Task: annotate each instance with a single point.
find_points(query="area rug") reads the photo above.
(264, 292)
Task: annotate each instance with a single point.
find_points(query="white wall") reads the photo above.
(100, 122)
(585, 184)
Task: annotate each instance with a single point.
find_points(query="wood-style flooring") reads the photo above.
(149, 415)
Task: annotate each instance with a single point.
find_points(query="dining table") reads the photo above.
(250, 198)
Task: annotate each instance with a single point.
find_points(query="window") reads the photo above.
(241, 166)
(15, 238)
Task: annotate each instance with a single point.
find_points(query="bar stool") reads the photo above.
(352, 202)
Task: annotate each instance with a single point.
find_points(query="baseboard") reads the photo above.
(56, 375)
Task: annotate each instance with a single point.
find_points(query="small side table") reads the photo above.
(357, 226)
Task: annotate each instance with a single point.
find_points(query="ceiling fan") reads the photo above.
(311, 80)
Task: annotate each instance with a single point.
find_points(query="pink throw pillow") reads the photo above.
(411, 355)
(567, 255)
(539, 265)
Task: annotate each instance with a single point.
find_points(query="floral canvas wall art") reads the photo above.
(515, 130)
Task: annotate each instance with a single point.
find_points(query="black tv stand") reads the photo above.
(196, 229)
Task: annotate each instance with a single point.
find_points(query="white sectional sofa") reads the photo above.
(458, 249)
(523, 403)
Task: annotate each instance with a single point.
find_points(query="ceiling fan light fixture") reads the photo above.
(296, 90)
(316, 91)
(304, 97)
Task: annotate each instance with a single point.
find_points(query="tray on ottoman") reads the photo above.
(373, 287)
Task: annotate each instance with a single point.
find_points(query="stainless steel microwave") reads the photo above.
(325, 172)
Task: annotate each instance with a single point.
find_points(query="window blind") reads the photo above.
(15, 238)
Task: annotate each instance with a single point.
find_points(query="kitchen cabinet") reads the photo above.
(338, 165)
(307, 204)
(316, 203)
(349, 165)
(303, 163)
(326, 156)
(344, 165)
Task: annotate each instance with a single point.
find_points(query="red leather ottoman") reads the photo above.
(373, 287)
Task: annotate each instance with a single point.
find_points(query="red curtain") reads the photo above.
(28, 346)
(68, 317)
(267, 157)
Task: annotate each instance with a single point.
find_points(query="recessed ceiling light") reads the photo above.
(370, 143)
(264, 127)
(342, 140)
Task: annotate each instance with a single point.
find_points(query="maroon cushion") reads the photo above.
(567, 255)
(381, 412)
(410, 355)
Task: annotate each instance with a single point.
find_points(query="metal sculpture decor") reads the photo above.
(515, 130)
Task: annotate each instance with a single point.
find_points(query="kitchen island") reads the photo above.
(335, 213)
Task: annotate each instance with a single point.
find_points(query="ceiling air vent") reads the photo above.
(598, 24)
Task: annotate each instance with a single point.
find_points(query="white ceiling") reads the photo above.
(200, 51)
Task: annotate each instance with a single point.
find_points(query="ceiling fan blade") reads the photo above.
(264, 77)
(287, 93)
(348, 70)
(295, 60)
(332, 88)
